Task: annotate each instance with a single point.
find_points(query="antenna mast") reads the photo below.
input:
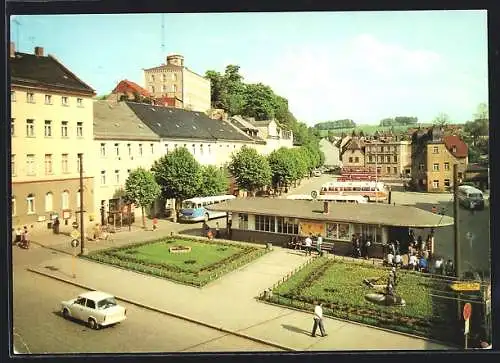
(163, 35)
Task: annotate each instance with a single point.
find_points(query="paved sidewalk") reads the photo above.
(229, 303)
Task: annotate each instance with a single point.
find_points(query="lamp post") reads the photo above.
(83, 250)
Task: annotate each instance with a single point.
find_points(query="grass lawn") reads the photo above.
(206, 261)
(339, 285)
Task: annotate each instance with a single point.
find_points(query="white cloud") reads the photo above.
(364, 79)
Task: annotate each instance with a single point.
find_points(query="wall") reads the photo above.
(353, 154)
(196, 92)
(166, 77)
(444, 174)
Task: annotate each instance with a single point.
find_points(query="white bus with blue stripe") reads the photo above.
(195, 209)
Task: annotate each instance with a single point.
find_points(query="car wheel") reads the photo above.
(65, 313)
(93, 324)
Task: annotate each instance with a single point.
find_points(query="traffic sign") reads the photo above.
(314, 194)
(469, 235)
(467, 311)
(465, 286)
(75, 225)
(75, 243)
(75, 234)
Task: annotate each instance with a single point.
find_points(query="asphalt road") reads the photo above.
(39, 328)
(475, 254)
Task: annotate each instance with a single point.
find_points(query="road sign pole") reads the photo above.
(466, 330)
(73, 263)
(466, 314)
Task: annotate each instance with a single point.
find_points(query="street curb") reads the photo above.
(241, 335)
(365, 325)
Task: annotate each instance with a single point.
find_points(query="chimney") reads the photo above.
(326, 208)
(39, 51)
(12, 50)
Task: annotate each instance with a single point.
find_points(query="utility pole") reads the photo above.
(456, 223)
(83, 250)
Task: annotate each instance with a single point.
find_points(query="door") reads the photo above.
(77, 310)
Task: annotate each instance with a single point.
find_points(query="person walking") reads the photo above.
(308, 243)
(319, 241)
(55, 225)
(217, 230)
(318, 320)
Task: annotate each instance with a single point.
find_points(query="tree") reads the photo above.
(214, 181)
(441, 119)
(476, 129)
(216, 88)
(250, 169)
(481, 112)
(178, 174)
(141, 189)
(387, 122)
(259, 101)
(282, 166)
(300, 164)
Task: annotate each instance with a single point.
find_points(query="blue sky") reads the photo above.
(359, 65)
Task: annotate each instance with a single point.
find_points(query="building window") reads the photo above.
(209, 149)
(30, 128)
(459, 175)
(370, 159)
(453, 149)
(103, 177)
(395, 170)
(243, 221)
(30, 97)
(152, 78)
(129, 148)
(164, 77)
(287, 225)
(117, 177)
(174, 77)
(166, 148)
(201, 149)
(447, 182)
(194, 149)
(13, 164)
(264, 223)
(140, 149)
(388, 170)
(103, 150)
(30, 164)
(128, 172)
(79, 129)
(78, 199)
(388, 158)
(152, 148)
(79, 102)
(13, 206)
(337, 231)
(48, 99)
(48, 164)
(435, 150)
(152, 89)
(435, 184)
(13, 96)
(117, 149)
(421, 167)
(435, 167)
(64, 100)
(65, 199)
(174, 88)
(48, 128)
(30, 201)
(49, 200)
(64, 128)
(446, 166)
(350, 159)
(77, 164)
(12, 127)
(164, 88)
(64, 163)
(395, 158)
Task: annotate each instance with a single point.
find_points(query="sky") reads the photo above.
(363, 66)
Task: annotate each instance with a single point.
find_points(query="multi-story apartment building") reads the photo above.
(433, 157)
(51, 123)
(274, 136)
(121, 143)
(175, 81)
(391, 156)
(352, 153)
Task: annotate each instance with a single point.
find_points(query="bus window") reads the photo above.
(365, 189)
(356, 189)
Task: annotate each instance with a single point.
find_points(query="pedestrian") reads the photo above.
(204, 228)
(55, 226)
(210, 235)
(319, 241)
(155, 224)
(217, 232)
(434, 209)
(308, 243)
(367, 245)
(318, 320)
(438, 266)
(18, 235)
(396, 248)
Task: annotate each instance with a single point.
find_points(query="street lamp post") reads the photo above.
(83, 250)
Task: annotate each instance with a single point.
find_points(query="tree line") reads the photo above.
(337, 124)
(179, 176)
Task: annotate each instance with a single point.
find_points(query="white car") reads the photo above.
(316, 173)
(96, 308)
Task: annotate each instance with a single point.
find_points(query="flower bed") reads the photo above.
(207, 260)
(339, 286)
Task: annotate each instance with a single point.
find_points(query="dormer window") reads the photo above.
(453, 149)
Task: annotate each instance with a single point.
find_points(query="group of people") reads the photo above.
(307, 244)
(207, 231)
(361, 244)
(22, 238)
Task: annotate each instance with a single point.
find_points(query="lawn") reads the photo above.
(339, 285)
(207, 260)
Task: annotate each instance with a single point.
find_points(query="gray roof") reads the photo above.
(242, 123)
(168, 122)
(117, 121)
(383, 214)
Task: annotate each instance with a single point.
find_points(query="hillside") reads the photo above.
(368, 129)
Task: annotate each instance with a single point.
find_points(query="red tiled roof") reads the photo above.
(462, 149)
(129, 86)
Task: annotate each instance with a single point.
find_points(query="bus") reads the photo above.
(195, 209)
(372, 191)
(357, 199)
(470, 197)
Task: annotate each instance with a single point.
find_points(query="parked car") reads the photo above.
(96, 308)
(316, 173)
